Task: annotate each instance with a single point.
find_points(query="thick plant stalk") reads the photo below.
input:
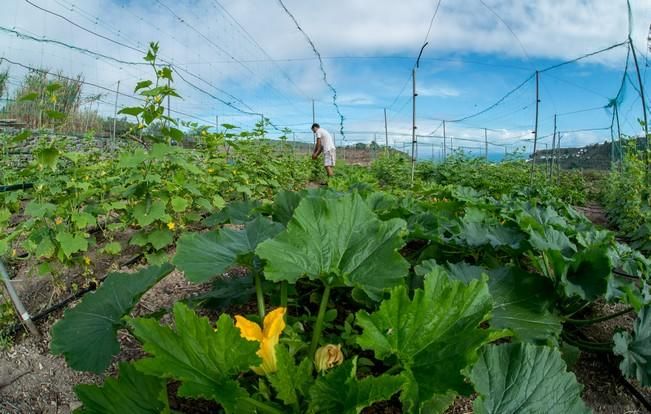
(283, 294)
(579, 322)
(259, 296)
(318, 327)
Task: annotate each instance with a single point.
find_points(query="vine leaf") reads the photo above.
(524, 378)
(86, 336)
(435, 336)
(203, 256)
(340, 392)
(340, 241)
(636, 349)
(206, 360)
(131, 392)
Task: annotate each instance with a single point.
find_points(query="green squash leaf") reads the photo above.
(71, 243)
(435, 335)
(86, 336)
(636, 349)
(524, 378)
(341, 241)
(340, 392)
(131, 392)
(205, 360)
(589, 274)
(202, 256)
(290, 381)
(522, 302)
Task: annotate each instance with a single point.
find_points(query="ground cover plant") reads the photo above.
(470, 282)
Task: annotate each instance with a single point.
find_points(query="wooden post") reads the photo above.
(535, 131)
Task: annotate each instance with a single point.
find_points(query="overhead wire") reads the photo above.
(321, 67)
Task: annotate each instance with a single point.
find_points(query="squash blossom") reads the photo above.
(171, 225)
(328, 356)
(274, 323)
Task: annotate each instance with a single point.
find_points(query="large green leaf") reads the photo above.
(202, 256)
(340, 392)
(86, 336)
(206, 360)
(236, 213)
(636, 349)
(435, 335)
(589, 273)
(132, 392)
(522, 302)
(339, 240)
(524, 378)
(290, 381)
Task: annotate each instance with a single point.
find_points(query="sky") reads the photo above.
(246, 57)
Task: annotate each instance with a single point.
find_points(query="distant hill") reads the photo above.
(591, 157)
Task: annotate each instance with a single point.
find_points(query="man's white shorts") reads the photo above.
(330, 158)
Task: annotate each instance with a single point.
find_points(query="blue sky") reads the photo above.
(252, 50)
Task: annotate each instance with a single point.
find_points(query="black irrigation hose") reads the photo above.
(15, 187)
(13, 329)
(615, 372)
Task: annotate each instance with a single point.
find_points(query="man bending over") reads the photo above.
(326, 145)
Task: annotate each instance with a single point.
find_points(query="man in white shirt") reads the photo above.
(326, 145)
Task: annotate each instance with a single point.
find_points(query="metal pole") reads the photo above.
(486, 143)
(551, 169)
(646, 124)
(217, 123)
(619, 136)
(445, 151)
(314, 120)
(115, 114)
(20, 308)
(432, 152)
(413, 124)
(386, 133)
(535, 131)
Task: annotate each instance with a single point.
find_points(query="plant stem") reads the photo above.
(264, 408)
(588, 346)
(318, 327)
(580, 322)
(283, 294)
(259, 296)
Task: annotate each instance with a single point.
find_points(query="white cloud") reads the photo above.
(553, 29)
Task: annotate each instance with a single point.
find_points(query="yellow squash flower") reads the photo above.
(171, 225)
(58, 220)
(328, 356)
(274, 323)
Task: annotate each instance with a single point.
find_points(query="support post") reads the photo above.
(445, 150)
(551, 169)
(20, 308)
(644, 117)
(313, 120)
(386, 133)
(413, 125)
(217, 123)
(486, 143)
(535, 131)
(115, 115)
(619, 137)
